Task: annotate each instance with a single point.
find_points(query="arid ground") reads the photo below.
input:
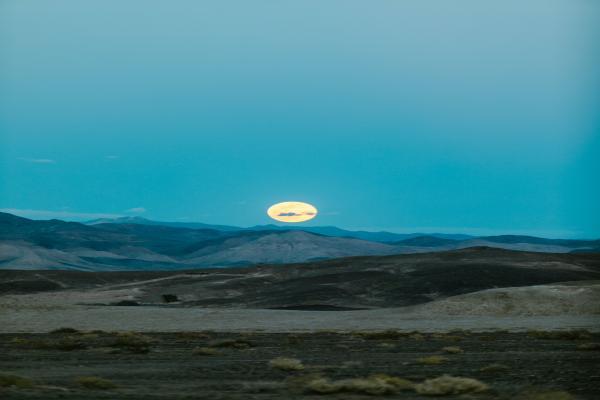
(208, 365)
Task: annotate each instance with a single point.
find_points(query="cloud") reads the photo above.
(111, 157)
(50, 214)
(136, 210)
(288, 214)
(37, 160)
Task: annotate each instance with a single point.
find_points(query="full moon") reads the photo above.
(292, 211)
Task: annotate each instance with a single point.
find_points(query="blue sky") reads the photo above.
(466, 116)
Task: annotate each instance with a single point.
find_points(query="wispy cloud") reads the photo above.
(50, 214)
(136, 210)
(111, 157)
(38, 160)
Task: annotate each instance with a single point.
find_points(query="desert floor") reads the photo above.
(210, 365)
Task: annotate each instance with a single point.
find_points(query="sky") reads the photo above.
(419, 115)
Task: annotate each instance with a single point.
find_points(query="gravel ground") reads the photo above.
(165, 319)
(165, 365)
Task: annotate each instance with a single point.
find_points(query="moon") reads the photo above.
(292, 211)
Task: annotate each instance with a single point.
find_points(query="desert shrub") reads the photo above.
(547, 395)
(65, 344)
(64, 330)
(193, 335)
(94, 382)
(432, 360)
(447, 337)
(494, 368)
(576, 334)
(205, 351)
(16, 381)
(234, 343)
(286, 364)
(132, 341)
(169, 298)
(589, 346)
(452, 350)
(373, 385)
(449, 385)
(382, 335)
(125, 303)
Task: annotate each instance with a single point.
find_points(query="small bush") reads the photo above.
(234, 343)
(16, 381)
(205, 351)
(577, 334)
(133, 342)
(494, 368)
(286, 364)
(447, 337)
(589, 346)
(389, 335)
(547, 395)
(452, 350)
(64, 330)
(65, 344)
(68, 344)
(373, 385)
(432, 360)
(169, 298)
(450, 385)
(94, 382)
(193, 335)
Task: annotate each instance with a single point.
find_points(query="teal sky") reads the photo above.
(463, 116)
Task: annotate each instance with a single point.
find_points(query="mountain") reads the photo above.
(145, 221)
(55, 244)
(381, 236)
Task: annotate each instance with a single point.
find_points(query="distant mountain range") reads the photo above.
(141, 244)
(381, 236)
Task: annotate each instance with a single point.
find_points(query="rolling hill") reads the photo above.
(103, 246)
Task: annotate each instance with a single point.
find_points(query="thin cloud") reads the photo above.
(136, 210)
(111, 157)
(51, 214)
(38, 160)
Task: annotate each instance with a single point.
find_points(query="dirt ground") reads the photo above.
(207, 365)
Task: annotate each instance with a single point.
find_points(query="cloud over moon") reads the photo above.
(292, 211)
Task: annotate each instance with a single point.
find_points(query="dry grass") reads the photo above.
(449, 385)
(452, 350)
(205, 351)
(15, 381)
(432, 360)
(494, 368)
(373, 385)
(193, 335)
(547, 395)
(383, 335)
(447, 337)
(577, 334)
(589, 346)
(94, 382)
(286, 364)
(68, 343)
(64, 330)
(234, 343)
(132, 341)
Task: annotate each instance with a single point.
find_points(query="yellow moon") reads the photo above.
(292, 211)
